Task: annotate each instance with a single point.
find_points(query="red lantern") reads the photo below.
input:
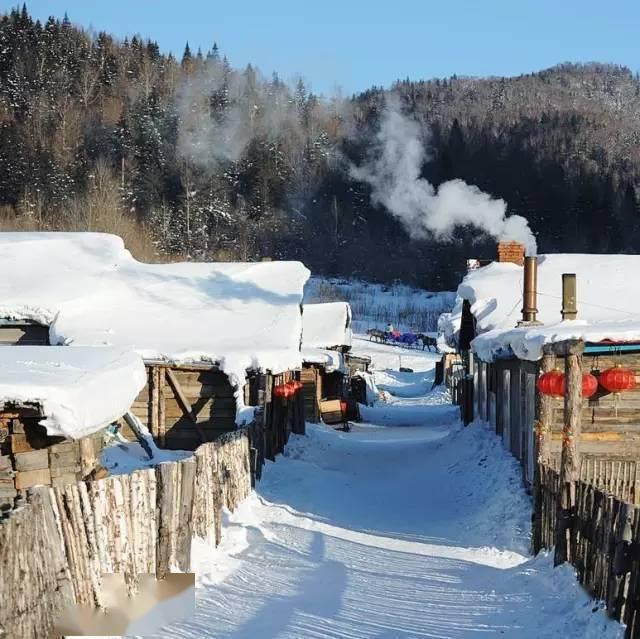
(618, 379)
(296, 385)
(281, 390)
(552, 383)
(589, 384)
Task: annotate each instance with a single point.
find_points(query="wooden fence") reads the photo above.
(55, 548)
(604, 533)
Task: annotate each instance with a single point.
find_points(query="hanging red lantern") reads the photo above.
(618, 379)
(296, 385)
(552, 383)
(281, 390)
(589, 384)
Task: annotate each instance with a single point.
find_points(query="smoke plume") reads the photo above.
(424, 210)
(253, 108)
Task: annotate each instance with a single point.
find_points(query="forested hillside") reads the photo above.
(195, 158)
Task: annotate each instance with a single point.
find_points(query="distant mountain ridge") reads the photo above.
(194, 158)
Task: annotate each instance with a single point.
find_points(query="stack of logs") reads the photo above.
(29, 457)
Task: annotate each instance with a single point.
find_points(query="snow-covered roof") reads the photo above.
(528, 342)
(90, 291)
(326, 325)
(608, 301)
(79, 390)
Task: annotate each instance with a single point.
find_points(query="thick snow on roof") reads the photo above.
(91, 291)
(606, 289)
(79, 390)
(326, 325)
(528, 342)
(608, 301)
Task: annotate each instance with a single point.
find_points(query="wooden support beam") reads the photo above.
(184, 403)
(570, 460)
(154, 393)
(134, 425)
(162, 406)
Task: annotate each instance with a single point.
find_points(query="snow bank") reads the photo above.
(80, 390)
(606, 298)
(326, 325)
(90, 291)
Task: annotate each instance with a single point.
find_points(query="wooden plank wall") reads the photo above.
(54, 550)
(312, 392)
(606, 557)
(184, 407)
(211, 409)
(610, 426)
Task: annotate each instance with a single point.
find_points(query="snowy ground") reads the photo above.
(407, 526)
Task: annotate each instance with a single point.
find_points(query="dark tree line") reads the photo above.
(192, 157)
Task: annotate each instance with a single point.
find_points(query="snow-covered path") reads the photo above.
(409, 526)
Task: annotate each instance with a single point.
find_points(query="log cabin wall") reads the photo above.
(30, 457)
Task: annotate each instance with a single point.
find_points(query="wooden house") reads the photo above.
(513, 325)
(55, 403)
(328, 363)
(215, 338)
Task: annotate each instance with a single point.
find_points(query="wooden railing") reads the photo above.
(604, 533)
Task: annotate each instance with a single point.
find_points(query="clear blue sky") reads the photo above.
(354, 44)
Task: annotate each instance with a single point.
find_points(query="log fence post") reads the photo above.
(570, 460)
(542, 452)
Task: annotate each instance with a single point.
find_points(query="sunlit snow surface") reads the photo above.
(407, 526)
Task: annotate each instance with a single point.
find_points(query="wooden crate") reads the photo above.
(331, 411)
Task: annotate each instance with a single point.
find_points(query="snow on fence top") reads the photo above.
(79, 390)
(90, 291)
(326, 325)
(608, 302)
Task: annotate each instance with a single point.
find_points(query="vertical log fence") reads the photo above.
(55, 548)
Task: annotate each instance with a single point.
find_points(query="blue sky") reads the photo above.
(353, 44)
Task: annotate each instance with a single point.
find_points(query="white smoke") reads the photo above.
(254, 108)
(425, 211)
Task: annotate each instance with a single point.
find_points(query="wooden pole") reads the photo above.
(544, 409)
(570, 461)
(162, 407)
(542, 452)
(155, 399)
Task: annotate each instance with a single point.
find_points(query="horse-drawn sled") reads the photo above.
(406, 340)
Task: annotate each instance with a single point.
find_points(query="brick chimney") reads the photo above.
(511, 252)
